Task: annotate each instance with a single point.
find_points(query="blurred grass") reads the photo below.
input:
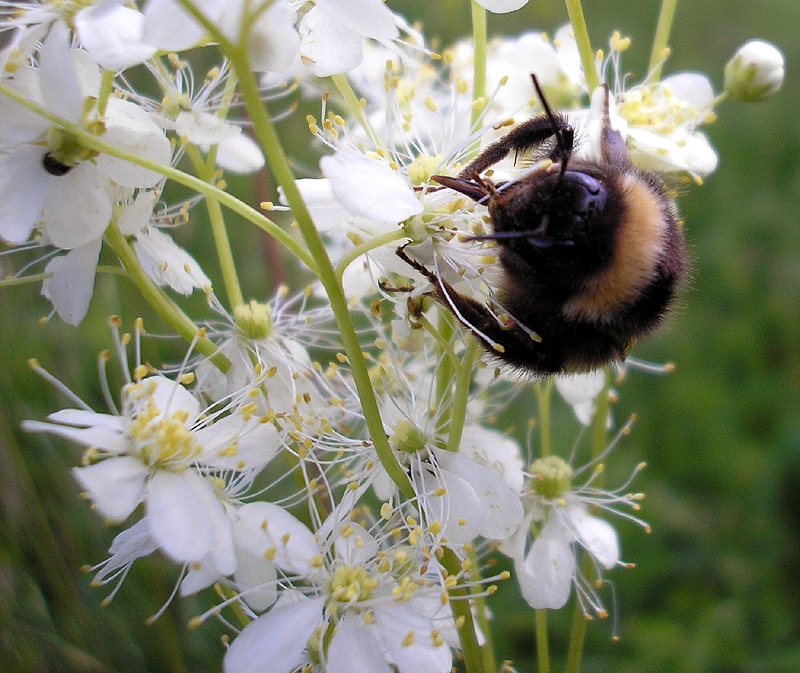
(716, 588)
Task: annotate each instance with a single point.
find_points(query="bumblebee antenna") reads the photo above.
(564, 150)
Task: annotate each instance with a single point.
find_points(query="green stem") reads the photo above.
(365, 247)
(166, 309)
(661, 39)
(444, 344)
(24, 280)
(276, 158)
(479, 33)
(543, 391)
(201, 187)
(354, 106)
(581, 33)
(542, 649)
(576, 640)
(458, 414)
(470, 649)
(445, 370)
(205, 171)
(106, 84)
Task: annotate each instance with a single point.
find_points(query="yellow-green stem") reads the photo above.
(365, 247)
(166, 309)
(661, 39)
(444, 345)
(577, 635)
(25, 280)
(444, 371)
(542, 649)
(479, 35)
(354, 106)
(205, 171)
(106, 84)
(272, 147)
(581, 33)
(543, 392)
(470, 649)
(458, 413)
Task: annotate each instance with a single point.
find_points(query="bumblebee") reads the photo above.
(591, 251)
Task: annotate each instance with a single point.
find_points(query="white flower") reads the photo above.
(45, 175)
(266, 345)
(332, 33)
(559, 518)
(470, 492)
(755, 72)
(364, 607)
(160, 451)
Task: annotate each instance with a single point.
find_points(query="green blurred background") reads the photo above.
(717, 583)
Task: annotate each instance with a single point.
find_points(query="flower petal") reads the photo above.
(545, 577)
(274, 643)
(502, 509)
(77, 207)
(71, 284)
(369, 188)
(113, 35)
(264, 526)
(23, 184)
(354, 649)
(327, 46)
(115, 485)
(188, 519)
(167, 263)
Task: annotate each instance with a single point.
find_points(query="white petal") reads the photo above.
(188, 519)
(354, 544)
(71, 285)
(691, 87)
(82, 418)
(167, 395)
(274, 643)
(458, 509)
(327, 46)
(262, 526)
(240, 154)
(100, 437)
(19, 124)
(61, 88)
(502, 509)
(370, 18)
(354, 649)
(170, 28)
(597, 536)
(113, 35)
(369, 188)
(395, 622)
(77, 207)
(130, 128)
(545, 577)
(273, 41)
(501, 6)
(256, 578)
(136, 216)
(167, 263)
(495, 450)
(115, 485)
(235, 444)
(204, 128)
(23, 185)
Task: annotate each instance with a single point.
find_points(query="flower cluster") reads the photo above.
(359, 390)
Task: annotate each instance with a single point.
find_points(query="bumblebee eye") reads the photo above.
(586, 195)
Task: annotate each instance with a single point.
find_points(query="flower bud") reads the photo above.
(754, 73)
